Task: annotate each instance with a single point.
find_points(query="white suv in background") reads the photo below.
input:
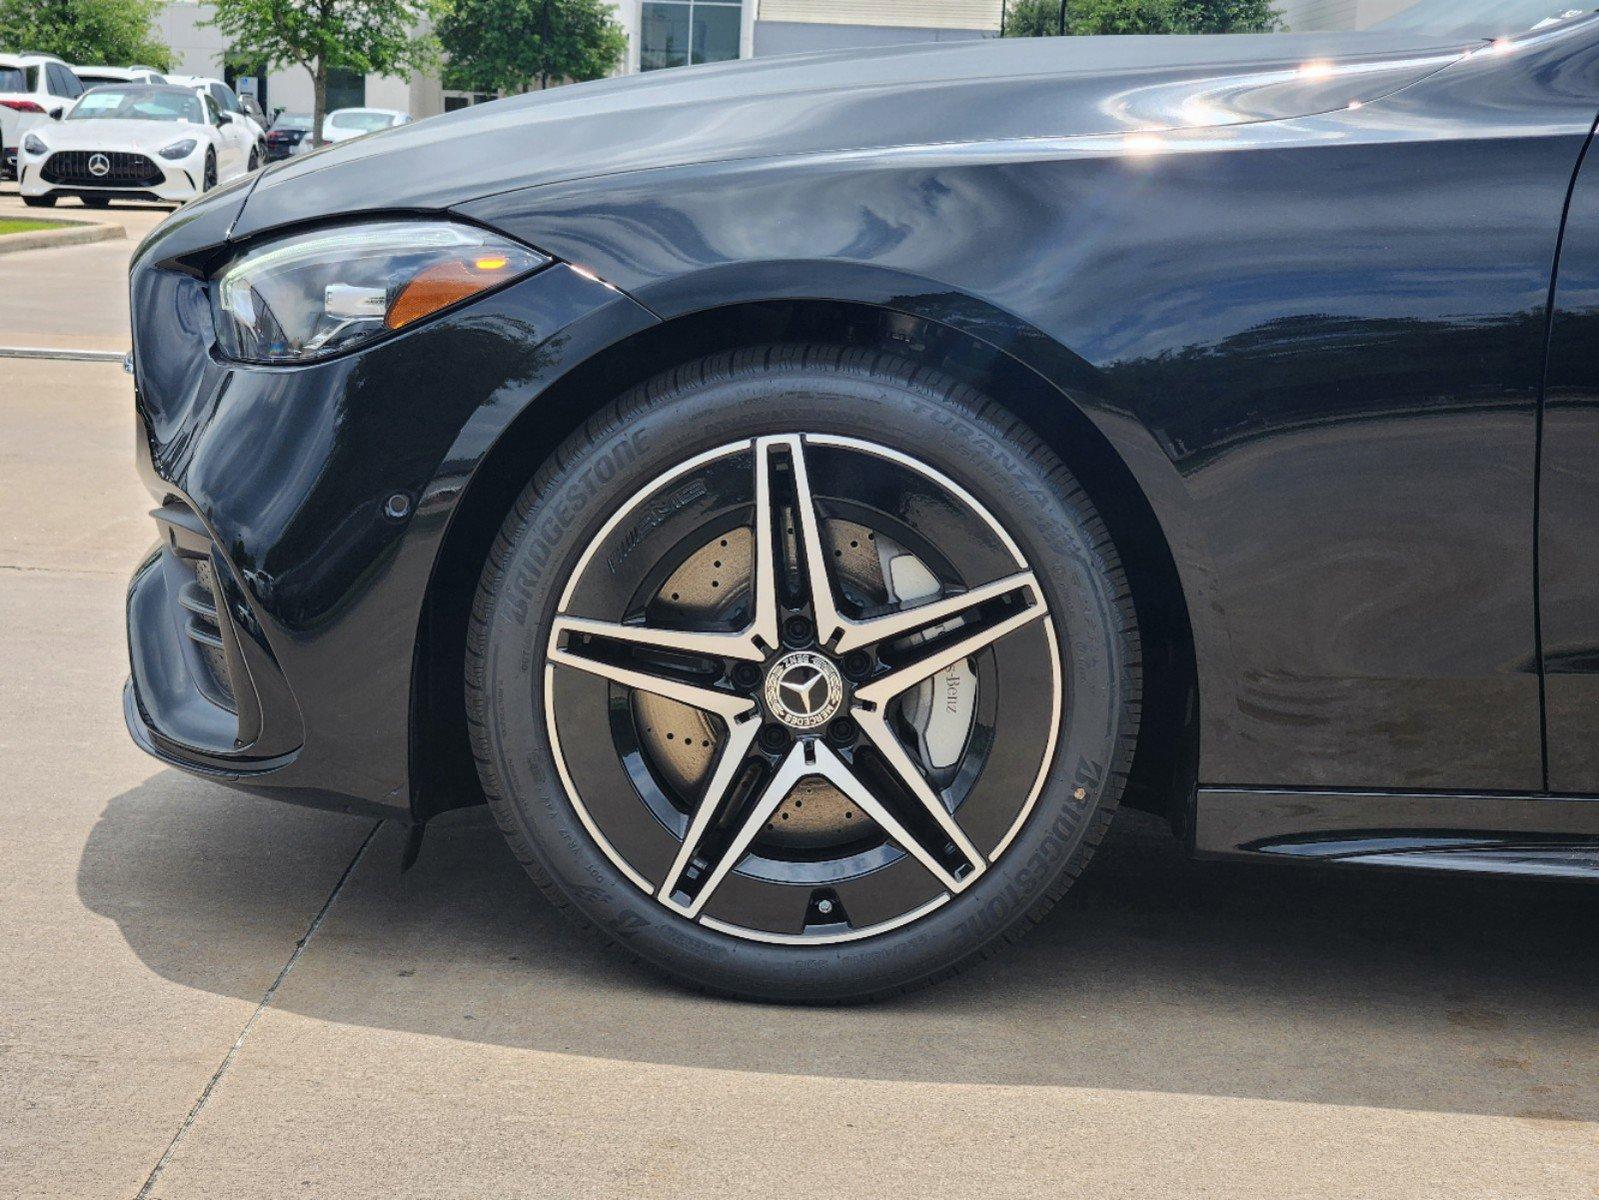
(92, 77)
(33, 88)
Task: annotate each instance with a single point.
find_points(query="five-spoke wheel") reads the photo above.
(811, 673)
(800, 689)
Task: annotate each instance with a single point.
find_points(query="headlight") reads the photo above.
(314, 294)
(34, 145)
(180, 149)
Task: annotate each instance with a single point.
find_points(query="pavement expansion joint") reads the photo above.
(266, 1002)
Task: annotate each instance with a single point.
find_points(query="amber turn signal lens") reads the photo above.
(444, 284)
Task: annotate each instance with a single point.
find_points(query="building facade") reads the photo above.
(660, 34)
(801, 26)
(1309, 16)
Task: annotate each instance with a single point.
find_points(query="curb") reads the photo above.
(73, 233)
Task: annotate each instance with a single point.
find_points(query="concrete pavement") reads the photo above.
(205, 995)
(71, 297)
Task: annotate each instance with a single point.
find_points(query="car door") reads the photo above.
(63, 87)
(240, 129)
(228, 161)
(1568, 529)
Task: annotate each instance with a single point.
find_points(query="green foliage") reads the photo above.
(358, 35)
(1032, 18)
(1041, 18)
(507, 45)
(86, 32)
(1228, 16)
(387, 37)
(25, 225)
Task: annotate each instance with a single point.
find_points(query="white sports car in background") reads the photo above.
(134, 142)
(229, 101)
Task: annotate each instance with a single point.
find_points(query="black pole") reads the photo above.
(1063, 18)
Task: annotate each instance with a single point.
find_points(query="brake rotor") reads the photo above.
(682, 742)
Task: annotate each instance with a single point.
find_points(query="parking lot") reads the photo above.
(205, 994)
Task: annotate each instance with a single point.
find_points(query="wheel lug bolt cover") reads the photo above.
(841, 731)
(796, 631)
(857, 663)
(746, 675)
(773, 737)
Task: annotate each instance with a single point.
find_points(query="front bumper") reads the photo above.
(172, 182)
(198, 657)
(273, 631)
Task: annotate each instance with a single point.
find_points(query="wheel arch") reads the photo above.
(1165, 765)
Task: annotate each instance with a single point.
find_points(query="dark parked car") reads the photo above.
(805, 497)
(287, 133)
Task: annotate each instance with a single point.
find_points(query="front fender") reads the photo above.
(698, 297)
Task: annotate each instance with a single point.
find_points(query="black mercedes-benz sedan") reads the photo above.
(805, 497)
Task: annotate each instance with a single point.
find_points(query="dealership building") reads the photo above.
(1308, 16)
(660, 34)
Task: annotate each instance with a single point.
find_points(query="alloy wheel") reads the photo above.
(820, 701)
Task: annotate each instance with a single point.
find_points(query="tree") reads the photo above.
(1041, 18)
(91, 32)
(381, 36)
(504, 45)
(1229, 16)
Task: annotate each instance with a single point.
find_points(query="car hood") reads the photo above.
(812, 104)
(140, 136)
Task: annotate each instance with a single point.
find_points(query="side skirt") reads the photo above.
(1552, 836)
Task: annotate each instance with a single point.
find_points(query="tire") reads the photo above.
(1060, 731)
(40, 201)
(209, 179)
(255, 160)
(97, 202)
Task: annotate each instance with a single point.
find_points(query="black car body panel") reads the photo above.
(1569, 501)
(829, 103)
(1316, 343)
(325, 575)
(1298, 284)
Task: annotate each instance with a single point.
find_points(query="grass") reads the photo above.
(25, 225)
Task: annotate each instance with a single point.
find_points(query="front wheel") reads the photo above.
(209, 180)
(96, 202)
(805, 674)
(39, 201)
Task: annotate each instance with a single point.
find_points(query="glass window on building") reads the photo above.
(679, 33)
(346, 89)
(459, 100)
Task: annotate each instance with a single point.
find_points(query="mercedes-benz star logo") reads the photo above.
(99, 165)
(804, 689)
